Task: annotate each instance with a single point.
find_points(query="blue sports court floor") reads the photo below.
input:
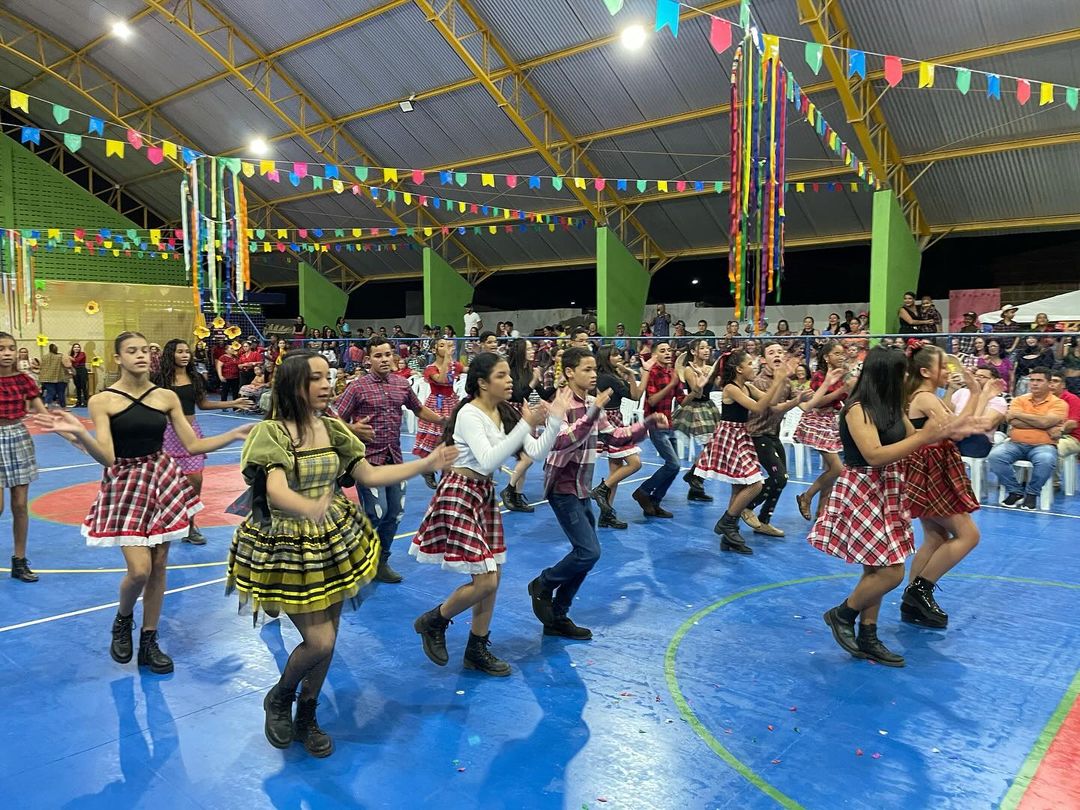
(711, 682)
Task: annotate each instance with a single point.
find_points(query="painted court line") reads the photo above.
(97, 608)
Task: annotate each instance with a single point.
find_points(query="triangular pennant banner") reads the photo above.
(114, 148)
(926, 74)
(1046, 94)
(856, 64)
(72, 142)
(134, 138)
(20, 101)
(1023, 90)
(667, 13)
(1071, 94)
(993, 86)
(963, 80)
(719, 34)
(60, 113)
(613, 6)
(812, 53)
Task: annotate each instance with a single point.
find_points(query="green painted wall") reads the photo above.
(35, 195)
(445, 292)
(321, 301)
(622, 285)
(894, 263)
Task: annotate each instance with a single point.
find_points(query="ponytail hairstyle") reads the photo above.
(729, 363)
(123, 337)
(823, 353)
(921, 358)
(480, 368)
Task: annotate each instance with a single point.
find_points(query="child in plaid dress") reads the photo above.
(178, 374)
(866, 520)
(625, 460)
(938, 489)
(19, 393)
(818, 425)
(462, 530)
(730, 455)
(698, 415)
(144, 501)
(442, 400)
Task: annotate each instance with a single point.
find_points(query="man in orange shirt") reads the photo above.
(1032, 417)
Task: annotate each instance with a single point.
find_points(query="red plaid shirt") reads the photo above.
(659, 377)
(15, 390)
(380, 398)
(568, 469)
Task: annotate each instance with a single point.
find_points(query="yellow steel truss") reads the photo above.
(826, 21)
(334, 145)
(22, 39)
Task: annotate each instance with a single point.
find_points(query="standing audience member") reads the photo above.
(1067, 433)
(54, 377)
(77, 358)
(228, 371)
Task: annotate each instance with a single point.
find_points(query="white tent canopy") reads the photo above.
(1064, 307)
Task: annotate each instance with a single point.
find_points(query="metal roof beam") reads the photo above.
(827, 23)
(457, 20)
(185, 15)
(267, 59)
(99, 89)
(995, 147)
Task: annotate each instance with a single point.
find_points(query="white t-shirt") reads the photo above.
(483, 446)
(471, 319)
(960, 401)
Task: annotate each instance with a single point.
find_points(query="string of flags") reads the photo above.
(893, 67)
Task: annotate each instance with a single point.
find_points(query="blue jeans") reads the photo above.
(660, 481)
(1043, 458)
(54, 392)
(565, 577)
(384, 506)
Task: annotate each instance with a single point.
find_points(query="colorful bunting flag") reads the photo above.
(96, 126)
(72, 142)
(114, 148)
(667, 13)
(963, 80)
(154, 155)
(134, 138)
(168, 148)
(30, 135)
(1023, 91)
(926, 74)
(60, 113)
(813, 54)
(1046, 94)
(20, 101)
(993, 86)
(856, 64)
(1071, 94)
(613, 6)
(719, 34)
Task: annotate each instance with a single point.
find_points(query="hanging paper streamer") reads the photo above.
(758, 122)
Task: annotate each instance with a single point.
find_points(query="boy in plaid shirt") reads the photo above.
(568, 474)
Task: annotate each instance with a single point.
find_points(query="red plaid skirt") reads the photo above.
(819, 428)
(937, 483)
(866, 520)
(462, 528)
(730, 456)
(616, 420)
(172, 446)
(143, 501)
(428, 434)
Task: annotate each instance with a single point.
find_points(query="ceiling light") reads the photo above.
(633, 37)
(407, 106)
(121, 30)
(694, 281)
(258, 147)
(571, 303)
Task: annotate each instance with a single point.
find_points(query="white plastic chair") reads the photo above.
(1069, 466)
(787, 431)
(1023, 472)
(978, 468)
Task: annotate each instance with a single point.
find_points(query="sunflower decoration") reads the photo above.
(92, 308)
(201, 332)
(218, 323)
(234, 346)
(96, 361)
(43, 341)
(233, 332)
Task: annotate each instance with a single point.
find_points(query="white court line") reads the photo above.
(95, 464)
(96, 608)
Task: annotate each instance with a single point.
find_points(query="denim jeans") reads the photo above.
(565, 577)
(384, 506)
(660, 481)
(1043, 458)
(55, 392)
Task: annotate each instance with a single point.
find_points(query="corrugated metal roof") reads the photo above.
(273, 24)
(76, 22)
(221, 116)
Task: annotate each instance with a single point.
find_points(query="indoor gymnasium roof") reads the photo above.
(519, 88)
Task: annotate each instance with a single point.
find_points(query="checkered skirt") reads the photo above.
(18, 461)
(616, 420)
(866, 519)
(428, 434)
(730, 456)
(697, 419)
(174, 447)
(462, 529)
(819, 428)
(937, 484)
(143, 501)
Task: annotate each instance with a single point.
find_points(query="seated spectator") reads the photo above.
(256, 388)
(978, 445)
(1031, 417)
(1068, 433)
(1032, 354)
(801, 380)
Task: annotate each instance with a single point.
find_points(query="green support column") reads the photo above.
(622, 285)
(321, 301)
(894, 263)
(445, 293)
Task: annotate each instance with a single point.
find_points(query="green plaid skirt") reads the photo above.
(697, 418)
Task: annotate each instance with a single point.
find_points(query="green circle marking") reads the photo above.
(1027, 769)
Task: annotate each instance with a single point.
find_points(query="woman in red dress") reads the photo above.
(440, 375)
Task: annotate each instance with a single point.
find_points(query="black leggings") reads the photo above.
(230, 389)
(773, 458)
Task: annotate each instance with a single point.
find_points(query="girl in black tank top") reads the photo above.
(179, 375)
(698, 415)
(730, 454)
(521, 356)
(144, 500)
(865, 520)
